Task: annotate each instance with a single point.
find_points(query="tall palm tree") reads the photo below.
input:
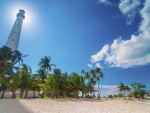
(98, 78)
(94, 78)
(87, 76)
(101, 76)
(45, 64)
(92, 84)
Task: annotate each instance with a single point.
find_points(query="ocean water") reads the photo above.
(147, 101)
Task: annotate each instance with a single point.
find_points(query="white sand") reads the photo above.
(71, 106)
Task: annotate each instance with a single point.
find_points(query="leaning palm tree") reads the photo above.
(123, 88)
(45, 64)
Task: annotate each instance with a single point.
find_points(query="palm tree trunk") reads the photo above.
(13, 94)
(101, 87)
(98, 89)
(21, 93)
(3, 92)
(26, 94)
(64, 94)
(33, 93)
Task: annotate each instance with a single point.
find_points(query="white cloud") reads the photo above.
(106, 2)
(109, 90)
(98, 65)
(129, 8)
(100, 55)
(90, 65)
(132, 52)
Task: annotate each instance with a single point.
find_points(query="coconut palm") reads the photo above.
(51, 85)
(45, 64)
(138, 89)
(87, 76)
(76, 84)
(34, 84)
(57, 76)
(64, 84)
(41, 74)
(123, 88)
(101, 76)
(92, 84)
(98, 78)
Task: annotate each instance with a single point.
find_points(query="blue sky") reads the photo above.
(82, 34)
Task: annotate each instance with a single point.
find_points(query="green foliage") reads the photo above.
(115, 95)
(110, 96)
(129, 95)
(120, 95)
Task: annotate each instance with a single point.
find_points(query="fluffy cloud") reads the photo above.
(106, 2)
(90, 65)
(129, 9)
(100, 55)
(132, 52)
(98, 65)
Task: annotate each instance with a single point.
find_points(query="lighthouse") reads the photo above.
(13, 39)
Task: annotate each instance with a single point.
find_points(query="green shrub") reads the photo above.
(110, 96)
(115, 95)
(120, 95)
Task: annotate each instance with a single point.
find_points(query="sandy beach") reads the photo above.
(71, 106)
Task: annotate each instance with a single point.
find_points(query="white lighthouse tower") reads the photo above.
(13, 39)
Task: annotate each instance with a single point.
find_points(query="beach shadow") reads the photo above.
(12, 106)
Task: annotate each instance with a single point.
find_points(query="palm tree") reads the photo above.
(51, 85)
(57, 76)
(45, 64)
(41, 74)
(94, 79)
(101, 76)
(123, 88)
(98, 73)
(64, 83)
(87, 76)
(34, 84)
(76, 84)
(12, 83)
(92, 84)
(137, 88)
(6, 66)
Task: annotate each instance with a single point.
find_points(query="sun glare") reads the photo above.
(29, 16)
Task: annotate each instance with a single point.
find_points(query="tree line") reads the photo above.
(17, 76)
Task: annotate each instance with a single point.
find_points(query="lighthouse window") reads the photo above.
(17, 25)
(15, 32)
(13, 40)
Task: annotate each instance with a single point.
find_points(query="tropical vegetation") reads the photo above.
(16, 76)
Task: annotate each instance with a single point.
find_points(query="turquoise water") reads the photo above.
(147, 101)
